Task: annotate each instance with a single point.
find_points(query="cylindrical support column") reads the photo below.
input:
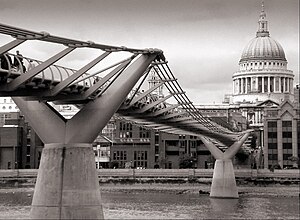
(67, 185)
(256, 84)
(269, 84)
(223, 182)
(256, 117)
(280, 85)
(263, 84)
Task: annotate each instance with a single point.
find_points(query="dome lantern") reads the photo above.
(262, 23)
(263, 47)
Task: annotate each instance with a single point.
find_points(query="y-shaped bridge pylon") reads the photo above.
(223, 182)
(67, 185)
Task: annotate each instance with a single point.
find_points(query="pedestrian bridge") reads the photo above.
(104, 86)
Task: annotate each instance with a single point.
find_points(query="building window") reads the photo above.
(287, 134)
(181, 136)
(273, 157)
(272, 145)
(287, 145)
(156, 140)
(125, 130)
(272, 126)
(120, 157)
(140, 159)
(156, 149)
(144, 133)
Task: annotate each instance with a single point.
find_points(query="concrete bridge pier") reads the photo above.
(223, 182)
(67, 185)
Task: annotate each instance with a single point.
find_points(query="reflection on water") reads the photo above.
(15, 204)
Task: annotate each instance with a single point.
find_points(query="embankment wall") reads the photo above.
(27, 177)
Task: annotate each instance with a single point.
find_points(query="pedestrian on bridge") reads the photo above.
(18, 62)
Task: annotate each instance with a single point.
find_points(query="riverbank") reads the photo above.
(247, 177)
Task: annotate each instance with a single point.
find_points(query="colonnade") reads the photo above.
(254, 116)
(262, 84)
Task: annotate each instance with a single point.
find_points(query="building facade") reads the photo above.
(263, 91)
(282, 135)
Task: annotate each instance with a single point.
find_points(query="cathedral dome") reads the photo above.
(263, 48)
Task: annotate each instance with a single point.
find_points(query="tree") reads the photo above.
(253, 141)
(187, 162)
(241, 156)
(295, 161)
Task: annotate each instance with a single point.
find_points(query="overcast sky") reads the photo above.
(202, 39)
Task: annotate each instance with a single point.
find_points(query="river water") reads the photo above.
(173, 202)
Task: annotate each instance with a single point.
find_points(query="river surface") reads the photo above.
(148, 201)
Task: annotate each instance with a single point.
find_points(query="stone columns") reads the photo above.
(233, 87)
(256, 117)
(269, 84)
(263, 84)
(256, 85)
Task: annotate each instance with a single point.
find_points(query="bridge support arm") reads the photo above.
(223, 182)
(47, 123)
(95, 115)
(10, 45)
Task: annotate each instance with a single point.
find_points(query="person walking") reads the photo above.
(18, 61)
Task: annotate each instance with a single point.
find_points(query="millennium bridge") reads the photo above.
(67, 184)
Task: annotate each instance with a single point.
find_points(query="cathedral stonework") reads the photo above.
(263, 73)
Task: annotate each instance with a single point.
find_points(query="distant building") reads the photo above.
(12, 140)
(20, 146)
(282, 136)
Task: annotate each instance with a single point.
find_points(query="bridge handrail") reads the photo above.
(24, 34)
(47, 74)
